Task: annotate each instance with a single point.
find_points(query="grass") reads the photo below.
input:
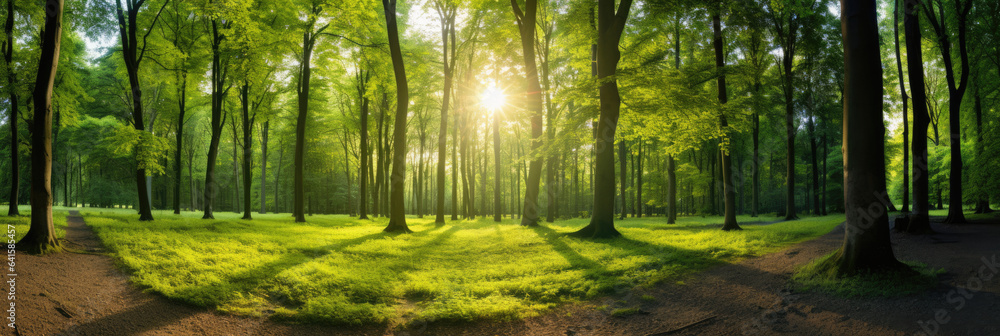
(816, 276)
(340, 270)
(22, 222)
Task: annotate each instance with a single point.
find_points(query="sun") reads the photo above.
(493, 98)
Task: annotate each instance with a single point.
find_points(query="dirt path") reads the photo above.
(84, 294)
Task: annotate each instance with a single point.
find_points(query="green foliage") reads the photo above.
(148, 148)
(345, 271)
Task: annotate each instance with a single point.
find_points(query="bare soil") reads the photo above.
(83, 293)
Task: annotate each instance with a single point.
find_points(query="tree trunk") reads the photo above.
(727, 174)
(305, 74)
(955, 93)
(447, 29)
(919, 222)
(866, 242)
(15, 152)
(623, 184)
(277, 174)
(496, 168)
(815, 165)
(671, 191)
(397, 212)
(638, 185)
(218, 98)
(362, 86)
(454, 165)
(131, 59)
(905, 99)
(610, 27)
(526, 26)
(182, 94)
(41, 236)
(247, 151)
(263, 168)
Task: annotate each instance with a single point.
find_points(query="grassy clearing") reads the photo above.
(22, 223)
(341, 270)
(815, 277)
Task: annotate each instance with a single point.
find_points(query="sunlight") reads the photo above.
(493, 98)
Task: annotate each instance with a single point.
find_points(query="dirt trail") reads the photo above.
(84, 294)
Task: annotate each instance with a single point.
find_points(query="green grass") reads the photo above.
(817, 276)
(22, 223)
(341, 270)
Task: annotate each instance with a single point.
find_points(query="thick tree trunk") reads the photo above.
(729, 223)
(866, 242)
(15, 152)
(41, 236)
(610, 27)
(277, 174)
(919, 222)
(397, 212)
(447, 29)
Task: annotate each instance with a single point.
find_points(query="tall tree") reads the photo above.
(918, 220)
(905, 99)
(866, 242)
(611, 24)
(787, 18)
(133, 54)
(220, 88)
(14, 115)
(302, 89)
(41, 237)
(526, 22)
(446, 13)
(362, 78)
(955, 92)
(397, 211)
(729, 223)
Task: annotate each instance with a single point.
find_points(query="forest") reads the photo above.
(500, 167)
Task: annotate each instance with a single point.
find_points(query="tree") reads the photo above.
(526, 21)
(309, 36)
(362, 78)
(220, 88)
(955, 93)
(397, 211)
(182, 33)
(905, 99)
(133, 55)
(15, 164)
(611, 24)
(787, 18)
(866, 242)
(918, 221)
(727, 174)
(41, 236)
(446, 13)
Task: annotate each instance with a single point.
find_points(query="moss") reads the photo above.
(821, 275)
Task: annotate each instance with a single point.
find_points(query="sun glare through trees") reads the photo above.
(500, 167)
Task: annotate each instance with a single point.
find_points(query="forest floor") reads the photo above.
(84, 293)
